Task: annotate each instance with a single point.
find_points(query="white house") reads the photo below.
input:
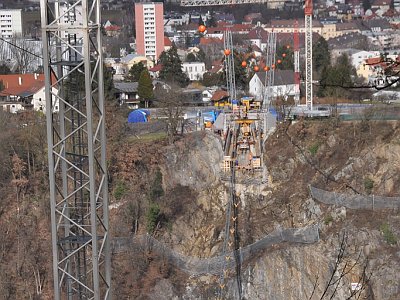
(194, 70)
(359, 57)
(284, 84)
(207, 94)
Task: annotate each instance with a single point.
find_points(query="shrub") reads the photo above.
(152, 217)
(368, 184)
(120, 190)
(388, 235)
(328, 220)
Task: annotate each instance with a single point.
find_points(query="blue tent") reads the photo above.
(210, 116)
(138, 116)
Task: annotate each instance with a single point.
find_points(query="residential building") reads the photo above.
(360, 57)
(25, 91)
(121, 66)
(259, 37)
(194, 70)
(72, 15)
(10, 23)
(126, 94)
(149, 22)
(288, 26)
(284, 84)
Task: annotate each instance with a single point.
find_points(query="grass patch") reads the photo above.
(388, 235)
(313, 149)
(149, 137)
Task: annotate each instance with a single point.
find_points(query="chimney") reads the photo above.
(35, 75)
(20, 80)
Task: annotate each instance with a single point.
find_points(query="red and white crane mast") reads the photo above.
(308, 11)
(296, 54)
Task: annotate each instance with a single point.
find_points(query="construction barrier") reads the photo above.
(355, 201)
(202, 266)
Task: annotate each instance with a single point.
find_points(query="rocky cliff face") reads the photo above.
(344, 159)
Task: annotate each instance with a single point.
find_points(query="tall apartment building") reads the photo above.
(149, 21)
(10, 22)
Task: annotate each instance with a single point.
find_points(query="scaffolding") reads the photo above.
(73, 67)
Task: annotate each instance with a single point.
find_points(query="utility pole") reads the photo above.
(73, 67)
(308, 11)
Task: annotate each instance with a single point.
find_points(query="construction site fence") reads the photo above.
(214, 265)
(372, 202)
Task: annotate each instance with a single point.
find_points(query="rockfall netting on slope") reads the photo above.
(355, 201)
(201, 266)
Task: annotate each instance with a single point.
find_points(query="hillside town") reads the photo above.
(365, 31)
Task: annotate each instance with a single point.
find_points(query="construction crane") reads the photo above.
(296, 54)
(73, 68)
(222, 2)
(308, 11)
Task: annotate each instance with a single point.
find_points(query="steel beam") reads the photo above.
(223, 2)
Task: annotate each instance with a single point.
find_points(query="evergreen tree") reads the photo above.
(171, 71)
(212, 22)
(201, 56)
(135, 71)
(4, 70)
(241, 79)
(288, 60)
(108, 83)
(190, 57)
(201, 22)
(321, 55)
(335, 79)
(366, 5)
(145, 87)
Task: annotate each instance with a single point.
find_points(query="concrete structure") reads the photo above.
(10, 23)
(149, 22)
(194, 70)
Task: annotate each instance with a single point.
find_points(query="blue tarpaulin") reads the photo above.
(138, 116)
(210, 116)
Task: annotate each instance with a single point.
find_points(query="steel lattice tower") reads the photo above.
(229, 65)
(73, 67)
(308, 10)
(270, 74)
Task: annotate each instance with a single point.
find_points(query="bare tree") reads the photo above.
(23, 53)
(343, 268)
(170, 109)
